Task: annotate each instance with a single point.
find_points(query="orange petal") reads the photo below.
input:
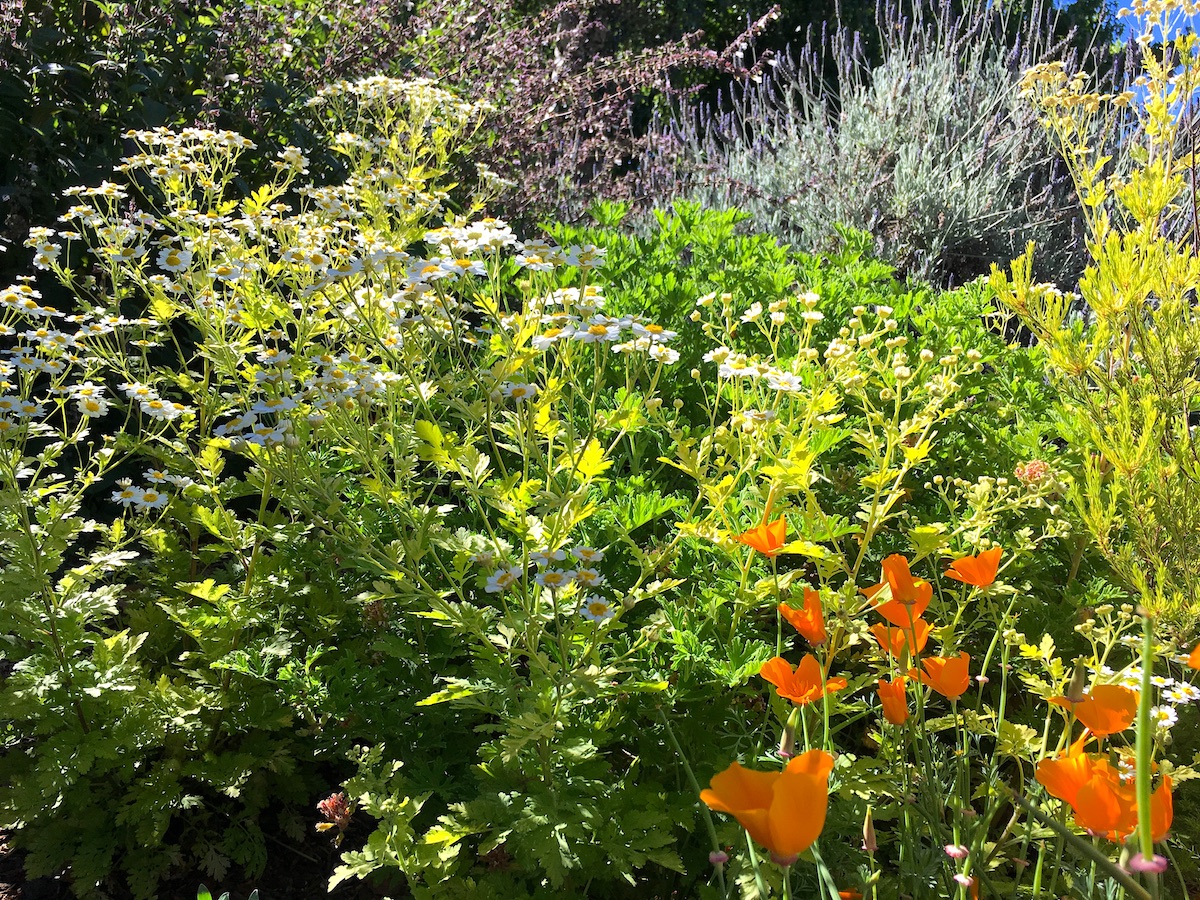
(1063, 777)
(894, 699)
(1194, 657)
(1098, 805)
(801, 799)
(895, 640)
(949, 676)
(746, 795)
(809, 620)
(1107, 709)
(1162, 810)
(979, 571)
(778, 672)
(766, 538)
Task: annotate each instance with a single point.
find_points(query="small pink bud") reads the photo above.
(964, 880)
(982, 679)
(784, 861)
(1139, 863)
(957, 851)
(718, 857)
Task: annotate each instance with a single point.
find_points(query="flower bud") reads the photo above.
(1139, 863)
(1077, 689)
(870, 845)
(787, 743)
(718, 858)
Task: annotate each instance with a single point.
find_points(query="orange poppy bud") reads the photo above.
(808, 620)
(1194, 657)
(894, 699)
(906, 597)
(783, 811)
(1106, 709)
(979, 571)
(766, 538)
(895, 640)
(949, 676)
(804, 685)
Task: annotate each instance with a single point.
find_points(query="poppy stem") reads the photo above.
(691, 776)
(1144, 748)
(1080, 846)
(758, 877)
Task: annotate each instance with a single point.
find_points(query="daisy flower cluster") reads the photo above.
(575, 315)
(558, 570)
(867, 345)
(154, 495)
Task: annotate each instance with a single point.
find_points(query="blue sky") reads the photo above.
(1125, 25)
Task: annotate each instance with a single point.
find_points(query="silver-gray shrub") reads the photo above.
(932, 150)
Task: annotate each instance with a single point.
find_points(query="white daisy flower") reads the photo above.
(163, 410)
(502, 579)
(1182, 693)
(754, 313)
(542, 558)
(597, 609)
(149, 498)
(656, 333)
(589, 578)
(519, 391)
(599, 329)
(551, 336)
(555, 578)
(174, 260)
(126, 494)
(92, 407)
(664, 354)
(587, 554)
(1163, 717)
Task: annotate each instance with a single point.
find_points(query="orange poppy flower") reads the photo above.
(1162, 810)
(907, 597)
(949, 676)
(894, 699)
(1106, 709)
(979, 571)
(808, 620)
(806, 684)
(1061, 777)
(1194, 657)
(1104, 802)
(783, 811)
(766, 538)
(895, 640)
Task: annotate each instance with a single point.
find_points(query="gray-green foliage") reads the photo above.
(932, 151)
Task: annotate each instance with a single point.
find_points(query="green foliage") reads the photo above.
(203, 893)
(1123, 348)
(930, 149)
(330, 480)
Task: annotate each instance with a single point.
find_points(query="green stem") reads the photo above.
(1145, 749)
(704, 810)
